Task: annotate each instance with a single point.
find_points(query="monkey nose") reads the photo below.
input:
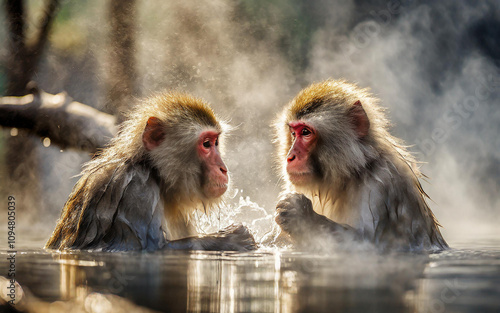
(223, 170)
(291, 158)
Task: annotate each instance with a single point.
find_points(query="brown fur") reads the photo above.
(129, 198)
(367, 182)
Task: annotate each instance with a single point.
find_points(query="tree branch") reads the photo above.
(68, 124)
(35, 51)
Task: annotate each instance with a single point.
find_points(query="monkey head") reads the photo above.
(325, 134)
(299, 166)
(215, 180)
(181, 138)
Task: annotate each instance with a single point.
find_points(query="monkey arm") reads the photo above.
(320, 232)
(321, 225)
(295, 216)
(212, 243)
(232, 238)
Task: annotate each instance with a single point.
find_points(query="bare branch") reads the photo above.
(35, 51)
(67, 123)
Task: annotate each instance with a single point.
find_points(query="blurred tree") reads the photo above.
(67, 123)
(24, 56)
(24, 112)
(121, 86)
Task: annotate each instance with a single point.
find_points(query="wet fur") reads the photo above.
(124, 193)
(369, 183)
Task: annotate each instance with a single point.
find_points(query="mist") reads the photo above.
(435, 67)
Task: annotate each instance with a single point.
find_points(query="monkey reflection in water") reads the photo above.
(138, 193)
(346, 178)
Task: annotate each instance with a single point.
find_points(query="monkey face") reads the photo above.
(299, 165)
(214, 173)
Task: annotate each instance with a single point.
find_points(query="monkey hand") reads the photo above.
(232, 238)
(295, 214)
(236, 237)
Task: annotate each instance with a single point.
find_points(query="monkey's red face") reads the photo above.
(215, 175)
(298, 167)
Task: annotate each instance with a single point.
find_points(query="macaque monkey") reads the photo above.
(138, 193)
(346, 177)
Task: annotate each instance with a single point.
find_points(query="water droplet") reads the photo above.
(46, 142)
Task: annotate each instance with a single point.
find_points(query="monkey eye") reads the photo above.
(306, 132)
(216, 142)
(293, 134)
(206, 144)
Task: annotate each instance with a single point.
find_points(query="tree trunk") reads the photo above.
(121, 85)
(22, 160)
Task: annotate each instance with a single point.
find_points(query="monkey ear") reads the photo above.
(360, 119)
(153, 134)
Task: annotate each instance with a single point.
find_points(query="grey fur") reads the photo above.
(129, 198)
(369, 184)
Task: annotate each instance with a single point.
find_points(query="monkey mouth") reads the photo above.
(215, 190)
(298, 178)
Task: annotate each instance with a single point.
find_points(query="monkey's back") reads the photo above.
(113, 207)
(396, 215)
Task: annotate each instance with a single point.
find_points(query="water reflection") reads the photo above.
(454, 281)
(231, 283)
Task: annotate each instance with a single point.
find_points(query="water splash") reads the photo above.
(243, 210)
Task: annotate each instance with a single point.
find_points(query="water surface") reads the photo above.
(465, 278)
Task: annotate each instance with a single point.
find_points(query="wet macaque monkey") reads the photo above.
(346, 177)
(139, 192)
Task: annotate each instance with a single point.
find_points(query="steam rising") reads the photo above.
(434, 66)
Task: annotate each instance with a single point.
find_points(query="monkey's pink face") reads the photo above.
(215, 175)
(298, 160)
